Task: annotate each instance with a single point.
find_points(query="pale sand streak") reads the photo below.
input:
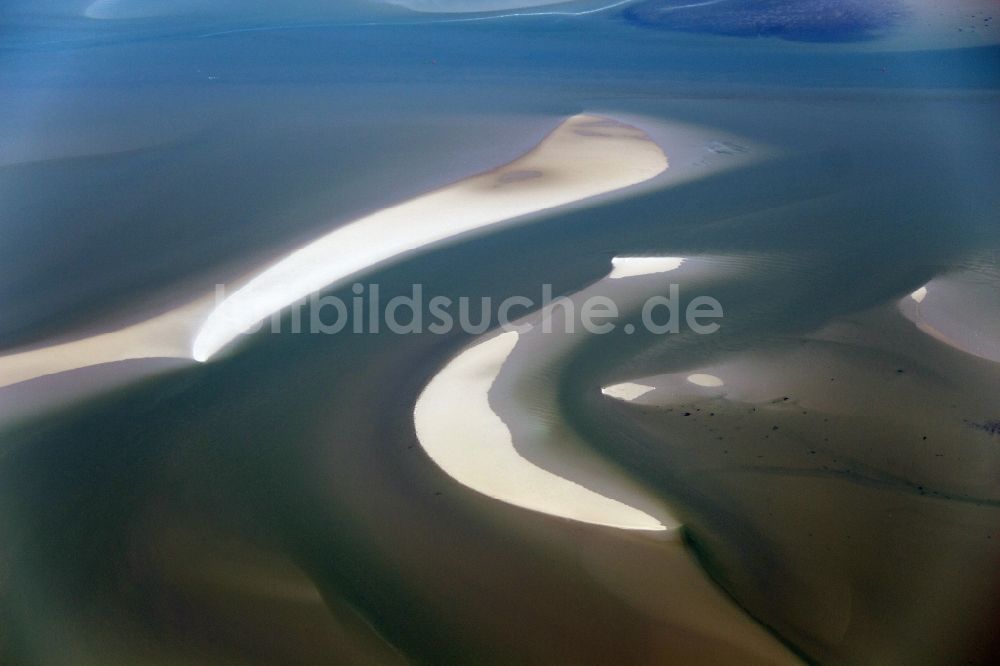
(165, 336)
(626, 267)
(583, 157)
(708, 381)
(462, 434)
(623, 267)
(627, 391)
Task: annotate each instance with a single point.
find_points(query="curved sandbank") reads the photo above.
(705, 380)
(490, 419)
(961, 310)
(104, 10)
(585, 156)
(459, 430)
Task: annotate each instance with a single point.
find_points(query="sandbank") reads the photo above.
(584, 157)
(462, 434)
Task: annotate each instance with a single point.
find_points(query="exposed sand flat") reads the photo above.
(524, 393)
(165, 336)
(490, 418)
(623, 267)
(669, 585)
(862, 429)
(627, 391)
(701, 379)
(584, 157)
(462, 434)
(961, 310)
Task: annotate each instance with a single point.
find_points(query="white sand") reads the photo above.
(623, 267)
(464, 436)
(708, 381)
(627, 391)
(585, 156)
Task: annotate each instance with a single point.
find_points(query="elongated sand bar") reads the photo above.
(584, 157)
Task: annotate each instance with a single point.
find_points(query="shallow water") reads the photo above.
(142, 160)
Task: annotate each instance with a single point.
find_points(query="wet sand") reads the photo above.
(194, 516)
(961, 310)
(878, 433)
